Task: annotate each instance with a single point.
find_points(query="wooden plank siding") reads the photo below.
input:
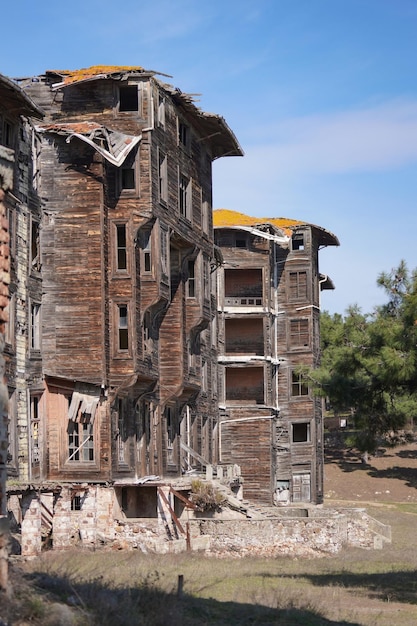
(117, 318)
(270, 287)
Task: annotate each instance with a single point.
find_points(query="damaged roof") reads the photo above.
(224, 218)
(16, 101)
(112, 145)
(211, 127)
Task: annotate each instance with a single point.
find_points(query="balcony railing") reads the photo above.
(243, 301)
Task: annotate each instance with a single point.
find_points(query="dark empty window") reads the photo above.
(298, 241)
(183, 134)
(127, 178)
(128, 98)
(301, 432)
(241, 242)
(76, 503)
(121, 247)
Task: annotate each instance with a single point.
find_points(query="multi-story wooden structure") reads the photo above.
(120, 328)
(268, 316)
(120, 353)
(18, 203)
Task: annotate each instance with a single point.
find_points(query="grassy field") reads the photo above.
(355, 587)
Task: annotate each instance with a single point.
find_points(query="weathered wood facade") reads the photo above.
(18, 205)
(120, 347)
(269, 307)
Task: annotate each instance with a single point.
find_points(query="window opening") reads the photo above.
(298, 285)
(76, 503)
(123, 332)
(122, 433)
(164, 251)
(8, 134)
(185, 196)
(34, 245)
(121, 247)
(34, 418)
(301, 432)
(298, 241)
(191, 282)
(163, 177)
(298, 386)
(35, 326)
(299, 336)
(128, 178)
(80, 442)
(183, 134)
(147, 251)
(161, 110)
(128, 98)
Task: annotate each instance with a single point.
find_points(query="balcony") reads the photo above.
(243, 288)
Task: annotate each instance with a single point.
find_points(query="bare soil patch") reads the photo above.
(389, 476)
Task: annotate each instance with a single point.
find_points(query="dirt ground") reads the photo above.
(389, 476)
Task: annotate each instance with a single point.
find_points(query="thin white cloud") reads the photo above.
(368, 139)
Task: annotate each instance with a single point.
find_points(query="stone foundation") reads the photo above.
(94, 520)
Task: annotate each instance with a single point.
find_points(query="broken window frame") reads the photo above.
(80, 442)
(298, 243)
(127, 176)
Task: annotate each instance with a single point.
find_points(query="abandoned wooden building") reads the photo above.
(268, 324)
(145, 346)
(16, 189)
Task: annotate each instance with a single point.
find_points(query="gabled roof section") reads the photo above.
(16, 101)
(224, 218)
(212, 128)
(112, 145)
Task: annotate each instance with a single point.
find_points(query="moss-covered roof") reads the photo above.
(223, 218)
(95, 71)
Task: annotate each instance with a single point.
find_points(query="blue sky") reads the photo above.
(321, 95)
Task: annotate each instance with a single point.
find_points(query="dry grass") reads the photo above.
(356, 587)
